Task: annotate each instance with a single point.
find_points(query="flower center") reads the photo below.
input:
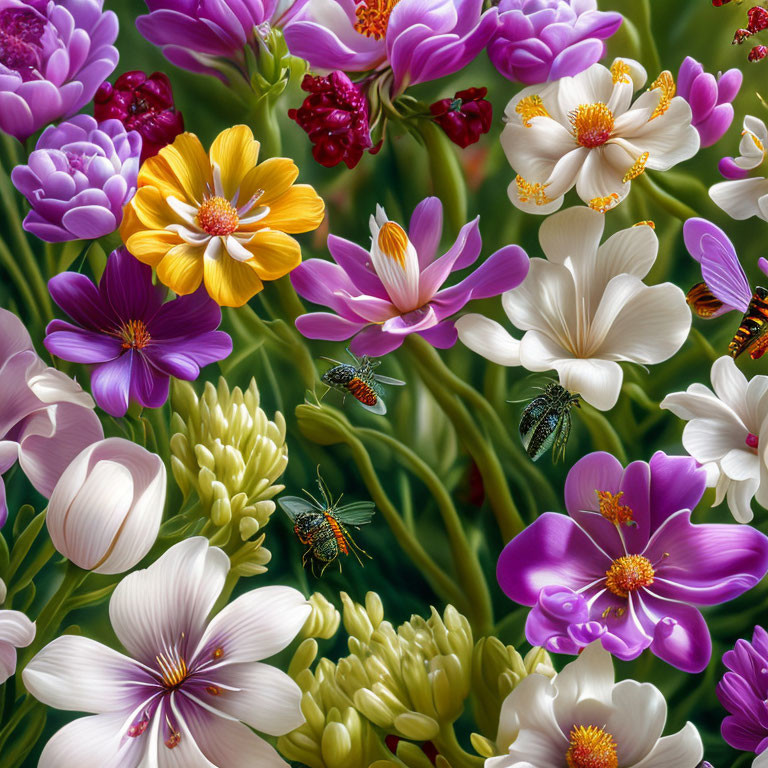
(218, 217)
(752, 441)
(591, 748)
(393, 242)
(611, 508)
(373, 17)
(628, 574)
(21, 30)
(592, 124)
(135, 335)
(529, 107)
(173, 668)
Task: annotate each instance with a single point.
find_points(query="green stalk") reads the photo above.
(604, 436)
(647, 39)
(663, 199)
(263, 120)
(448, 746)
(15, 273)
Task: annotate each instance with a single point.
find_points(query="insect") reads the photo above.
(360, 381)
(546, 422)
(725, 288)
(323, 526)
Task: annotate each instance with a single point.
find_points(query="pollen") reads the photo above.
(637, 168)
(612, 509)
(530, 107)
(591, 747)
(134, 335)
(373, 17)
(218, 217)
(755, 140)
(604, 204)
(620, 72)
(629, 573)
(666, 84)
(592, 124)
(393, 242)
(528, 192)
(645, 223)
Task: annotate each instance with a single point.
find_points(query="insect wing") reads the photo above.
(704, 303)
(723, 274)
(532, 414)
(380, 408)
(388, 380)
(543, 435)
(357, 513)
(293, 506)
(561, 435)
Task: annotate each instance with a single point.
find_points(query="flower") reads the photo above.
(188, 688)
(584, 718)
(420, 41)
(628, 567)
(105, 511)
(541, 40)
(45, 418)
(78, 178)
(16, 631)
(743, 692)
(584, 131)
(585, 308)
(382, 296)
(709, 97)
(745, 195)
(53, 56)
(133, 340)
(142, 103)
(335, 115)
(465, 117)
(219, 219)
(725, 428)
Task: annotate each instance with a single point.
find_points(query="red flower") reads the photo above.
(142, 103)
(757, 19)
(757, 53)
(464, 117)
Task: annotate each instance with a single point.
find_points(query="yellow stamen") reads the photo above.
(373, 17)
(592, 124)
(591, 747)
(393, 242)
(528, 192)
(529, 107)
(612, 509)
(756, 141)
(646, 223)
(173, 670)
(628, 574)
(620, 72)
(666, 84)
(637, 168)
(134, 334)
(604, 204)
(218, 217)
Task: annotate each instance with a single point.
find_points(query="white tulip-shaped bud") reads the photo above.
(105, 511)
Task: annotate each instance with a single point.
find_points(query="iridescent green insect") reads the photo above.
(546, 422)
(322, 526)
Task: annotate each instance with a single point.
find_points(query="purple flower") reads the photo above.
(420, 39)
(743, 691)
(381, 296)
(709, 97)
(134, 340)
(79, 177)
(54, 54)
(542, 40)
(628, 567)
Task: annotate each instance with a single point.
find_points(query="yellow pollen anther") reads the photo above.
(592, 124)
(173, 670)
(591, 747)
(637, 168)
(604, 204)
(373, 17)
(218, 217)
(531, 193)
(213, 690)
(755, 140)
(646, 223)
(218, 653)
(529, 107)
(611, 508)
(393, 242)
(620, 72)
(628, 574)
(134, 335)
(666, 84)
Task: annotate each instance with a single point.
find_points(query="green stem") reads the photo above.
(648, 41)
(19, 714)
(604, 436)
(448, 745)
(670, 204)
(17, 275)
(38, 563)
(266, 129)
(229, 587)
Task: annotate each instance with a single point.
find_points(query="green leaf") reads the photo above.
(25, 540)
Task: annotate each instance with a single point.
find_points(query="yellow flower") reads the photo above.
(219, 218)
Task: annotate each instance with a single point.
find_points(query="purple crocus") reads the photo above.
(78, 178)
(628, 567)
(54, 54)
(541, 40)
(134, 341)
(381, 296)
(709, 97)
(420, 40)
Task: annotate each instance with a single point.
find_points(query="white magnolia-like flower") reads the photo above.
(585, 131)
(744, 195)
(16, 631)
(727, 431)
(190, 687)
(585, 308)
(583, 717)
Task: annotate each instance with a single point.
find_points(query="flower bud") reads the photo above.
(323, 621)
(465, 117)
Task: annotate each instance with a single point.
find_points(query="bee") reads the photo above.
(323, 526)
(360, 381)
(546, 422)
(725, 288)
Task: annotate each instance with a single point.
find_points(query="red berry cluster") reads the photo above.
(757, 21)
(464, 117)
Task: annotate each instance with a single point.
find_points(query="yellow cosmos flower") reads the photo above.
(219, 218)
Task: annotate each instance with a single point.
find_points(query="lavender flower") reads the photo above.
(542, 40)
(78, 179)
(628, 567)
(134, 340)
(54, 54)
(381, 296)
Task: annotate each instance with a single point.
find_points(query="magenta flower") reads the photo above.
(78, 178)
(420, 40)
(465, 117)
(134, 341)
(542, 40)
(382, 296)
(54, 54)
(709, 98)
(628, 567)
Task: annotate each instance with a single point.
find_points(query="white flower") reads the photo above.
(744, 197)
(585, 131)
(583, 718)
(585, 308)
(190, 687)
(728, 428)
(16, 631)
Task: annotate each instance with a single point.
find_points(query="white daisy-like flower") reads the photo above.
(585, 308)
(585, 131)
(583, 718)
(727, 431)
(745, 195)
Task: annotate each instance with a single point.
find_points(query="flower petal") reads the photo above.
(489, 339)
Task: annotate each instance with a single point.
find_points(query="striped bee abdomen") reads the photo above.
(753, 327)
(363, 391)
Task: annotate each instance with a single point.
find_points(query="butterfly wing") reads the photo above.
(356, 513)
(723, 274)
(293, 506)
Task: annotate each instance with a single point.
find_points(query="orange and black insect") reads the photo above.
(323, 526)
(360, 381)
